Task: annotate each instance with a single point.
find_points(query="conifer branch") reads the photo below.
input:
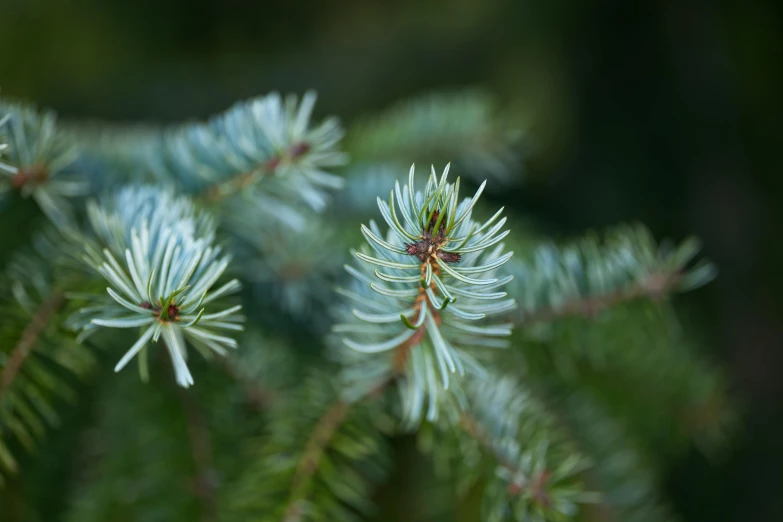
(472, 427)
(430, 298)
(598, 272)
(38, 322)
(271, 137)
(322, 435)
(534, 485)
(320, 464)
(328, 424)
(434, 252)
(331, 420)
(166, 281)
(39, 163)
(466, 127)
(654, 287)
(223, 189)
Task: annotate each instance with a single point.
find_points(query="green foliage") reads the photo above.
(294, 268)
(38, 160)
(622, 472)
(266, 133)
(567, 417)
(318, 465)
(654, 379)
(38, 360)
(164, 285)
(507, 442)
(433, 255)
(594, 273)
(149, 462)
(463, 127)
(596, 313)
(266, 142)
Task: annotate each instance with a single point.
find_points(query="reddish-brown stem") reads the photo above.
(476, 431)
(222, 189)
(36, 174)
(29, 337)
(322, 434)
(535, 485)
(330, 421)
(654, 287)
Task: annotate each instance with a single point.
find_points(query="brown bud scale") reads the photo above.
(430, 243)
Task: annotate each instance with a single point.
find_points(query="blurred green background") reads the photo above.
(665, 112)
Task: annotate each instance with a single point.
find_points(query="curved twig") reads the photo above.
(653, 287)
(38, 322)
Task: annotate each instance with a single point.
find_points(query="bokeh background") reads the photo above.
(666, 112)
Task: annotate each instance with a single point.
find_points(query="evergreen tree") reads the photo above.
(242, 319)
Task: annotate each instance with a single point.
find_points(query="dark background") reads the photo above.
(664, 112)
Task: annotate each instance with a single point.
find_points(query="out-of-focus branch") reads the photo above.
(38, 322)
(653, 287)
